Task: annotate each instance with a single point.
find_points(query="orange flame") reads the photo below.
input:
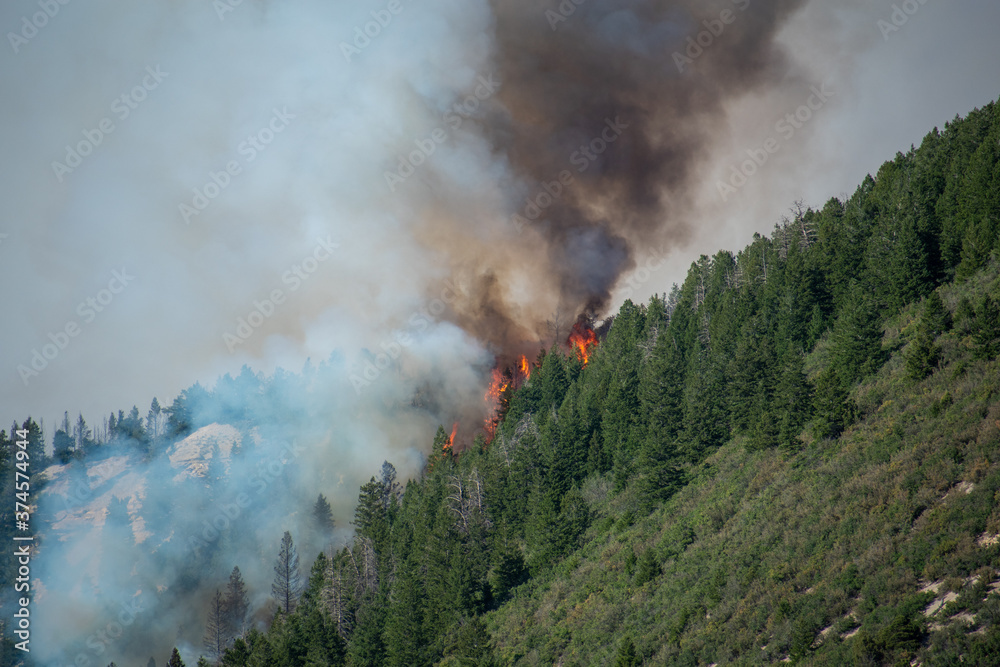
(498, 385)
(582, 340)
(525, 368)
(450, 442)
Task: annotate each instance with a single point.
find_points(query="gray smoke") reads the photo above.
(415, 187)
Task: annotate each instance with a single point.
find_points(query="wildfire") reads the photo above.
(450, 442)
(525, 368)
(582, 340)
(502, 384)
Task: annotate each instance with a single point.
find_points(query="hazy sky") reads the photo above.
(232, 152)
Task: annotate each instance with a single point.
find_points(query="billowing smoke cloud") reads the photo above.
(416, 185)
(605, 111)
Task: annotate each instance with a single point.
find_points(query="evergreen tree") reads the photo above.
(468, 644)
(238, 655)
(965, 315)
(287, 583)
(261, 651)
(627, 656)
(986, 331)
(509, 571)
(367, 646)
(554, 384)
(323, 644)
(237, 604)
(35, 446)
(323, 516)
(82, 435)
(313, 594)
(648, 568)
(371, 518)
(857, 340)
(63, 442)
(573, 521)
(175, 659)
(542, 525)
(935, 317)
(404, 637)
(792, 402)
(390, 487)
(154, 419)
(833, 409)
(659, 475)
(922, 355)
(706, 419)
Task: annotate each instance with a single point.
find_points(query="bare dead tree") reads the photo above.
(333, 600)
(217, 632)
(556, 325)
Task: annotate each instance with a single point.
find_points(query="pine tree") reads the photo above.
(312, 596)
(648, 567)
(922, 355)
(82, 435)
(390, 487)
(371, 517)
(112, 428)
(323, 516)
(35, 446)
(508, 572)
(468, 643)
(237, 604)
(935, 317)
(986, 330)
(833, 410)
(554, 384)
(175, 659)
(154, 419)
(404, 628)
(857, 340)
(659, 475)
(62, 441)
(965, 316)
(542, 525)
(574, 518)
(324, 646)
(367, 647)
(627, 656)
(238, 655)
(793, 402)
(287, 582)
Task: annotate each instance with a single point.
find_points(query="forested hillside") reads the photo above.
(795, 455)
(792, 456)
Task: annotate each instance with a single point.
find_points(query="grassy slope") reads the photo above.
(762, 552)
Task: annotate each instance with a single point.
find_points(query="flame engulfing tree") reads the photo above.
(582, 341)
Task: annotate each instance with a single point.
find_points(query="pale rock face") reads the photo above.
(192, 455)
(80, 504)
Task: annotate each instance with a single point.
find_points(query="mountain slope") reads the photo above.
(792, 456)
(833, 553)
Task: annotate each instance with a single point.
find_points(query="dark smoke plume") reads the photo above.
(614, 94)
